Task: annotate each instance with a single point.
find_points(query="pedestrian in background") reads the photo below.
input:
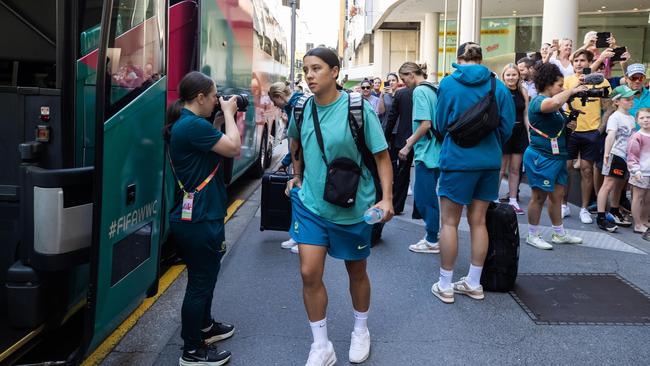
(398, 128)
(196, 152)
(321, 227)
(366, 92)
(376, 86)
(638, 163)
(513, 149)
(281, 95)
(426, 151)
(386, 98)
(469, 176)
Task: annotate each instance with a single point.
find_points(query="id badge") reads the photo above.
(188, 204)
(555, 147)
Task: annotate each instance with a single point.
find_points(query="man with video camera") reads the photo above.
(585, 142)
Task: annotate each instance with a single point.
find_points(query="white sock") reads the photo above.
(360, 322)
(559, 230)
(513, 200)
(533, 230)
(474, 275)
(319, 331)
(445, 279)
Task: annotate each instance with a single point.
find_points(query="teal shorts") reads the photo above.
(346, 242)
(543, 172)
(463, 187)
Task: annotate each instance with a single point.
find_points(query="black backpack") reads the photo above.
(476, 122)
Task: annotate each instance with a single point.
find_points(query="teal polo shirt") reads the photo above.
(425, 150)
(338, 142)
(549, 123)
(192, 138)
(640, 101)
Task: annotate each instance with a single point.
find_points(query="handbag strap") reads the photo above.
(319, 135)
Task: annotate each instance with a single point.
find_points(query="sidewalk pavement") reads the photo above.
(259, 290)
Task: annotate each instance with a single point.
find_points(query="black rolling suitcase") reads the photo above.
(276, 206)
(502, 261)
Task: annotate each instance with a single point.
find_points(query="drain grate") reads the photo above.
(581, 299)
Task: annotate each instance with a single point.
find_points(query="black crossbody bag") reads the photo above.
(343, 174)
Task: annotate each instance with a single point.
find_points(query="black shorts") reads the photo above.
(585, 145)
(616, 167)
(518, 142)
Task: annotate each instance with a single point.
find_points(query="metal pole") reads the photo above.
(293, 44)
(444, 42)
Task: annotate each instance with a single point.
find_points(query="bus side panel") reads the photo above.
(226, 54)
(130, 231)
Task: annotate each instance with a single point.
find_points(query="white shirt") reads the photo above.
(624, 127)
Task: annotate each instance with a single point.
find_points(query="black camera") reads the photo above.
(242, 102)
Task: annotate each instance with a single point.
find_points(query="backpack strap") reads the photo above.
(356, 122)
(299, 109)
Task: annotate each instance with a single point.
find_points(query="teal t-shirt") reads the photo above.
(192, 138)
(549, 123)
(338, 142)
(426, 149)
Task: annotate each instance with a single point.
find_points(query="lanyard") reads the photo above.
(201, 186)
(545, 135)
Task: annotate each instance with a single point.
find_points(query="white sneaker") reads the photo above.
(288, 244)
(566, 211)
(294, 249)
(321, 356)
(424, 246)
(538, 242)
(446, 296)
(565, 239)
(585, 216)
(359, 347)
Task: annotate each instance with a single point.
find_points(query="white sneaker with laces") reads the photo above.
(359, 347)
(566, 211)
(565, 239)
(538, 242)
(288, 244)
(294, 249)
(424, 246)
(321, 356)
(585, 216)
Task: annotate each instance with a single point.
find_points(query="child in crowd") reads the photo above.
(638, 163)
(620, 126)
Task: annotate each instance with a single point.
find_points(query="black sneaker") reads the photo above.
(218, 332)
(205, 357)
(606, 225)
(621, 220)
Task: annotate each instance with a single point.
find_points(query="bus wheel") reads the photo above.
(257, 170)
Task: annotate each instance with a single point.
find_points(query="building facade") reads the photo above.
(379, 35)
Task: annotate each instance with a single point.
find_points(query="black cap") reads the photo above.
(463, 47)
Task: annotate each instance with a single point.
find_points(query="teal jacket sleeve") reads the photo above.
(506, 112)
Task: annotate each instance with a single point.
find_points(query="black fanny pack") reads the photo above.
(477, 121)
(343, 174)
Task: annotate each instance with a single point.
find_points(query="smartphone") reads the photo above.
(602, 37)
(618, 52)
(586, 70)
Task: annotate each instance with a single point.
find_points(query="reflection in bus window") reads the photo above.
(136, 60)
(267, 45)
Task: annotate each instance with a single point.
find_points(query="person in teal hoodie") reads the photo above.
(468, 176)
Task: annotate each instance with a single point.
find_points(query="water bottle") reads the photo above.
(373, 215)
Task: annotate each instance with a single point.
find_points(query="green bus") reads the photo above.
(84, 181)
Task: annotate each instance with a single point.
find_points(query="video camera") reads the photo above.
(591, 79)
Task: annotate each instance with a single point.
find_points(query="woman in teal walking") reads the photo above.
(196, 151)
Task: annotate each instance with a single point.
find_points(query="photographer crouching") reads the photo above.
(586, 141)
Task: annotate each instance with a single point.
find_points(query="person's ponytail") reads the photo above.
(173, 114)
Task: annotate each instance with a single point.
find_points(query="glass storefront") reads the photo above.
(505, 39)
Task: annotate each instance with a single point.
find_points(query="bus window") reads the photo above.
(276, 50)
(136, 59)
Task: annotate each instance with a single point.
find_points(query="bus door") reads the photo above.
(129, 153)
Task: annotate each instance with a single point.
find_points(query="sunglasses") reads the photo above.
(637, 78)
(365, 87)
